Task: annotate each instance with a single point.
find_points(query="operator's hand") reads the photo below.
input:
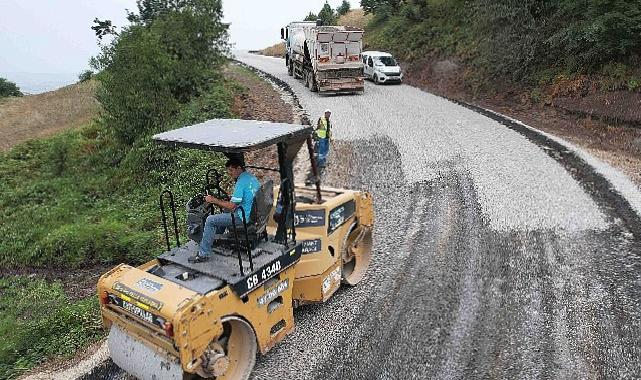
(210, 199)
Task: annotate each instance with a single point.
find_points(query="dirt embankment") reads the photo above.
(276, 50)
(45, 114)
(606, 124)
(260, 101)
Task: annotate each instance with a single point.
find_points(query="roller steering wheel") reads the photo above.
(213, 188)
(216, 191)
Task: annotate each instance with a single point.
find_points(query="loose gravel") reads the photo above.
(490, 260)
(519, 186)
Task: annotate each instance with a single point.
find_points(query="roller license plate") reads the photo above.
(138, 311)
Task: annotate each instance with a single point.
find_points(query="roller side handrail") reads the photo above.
(164, 217)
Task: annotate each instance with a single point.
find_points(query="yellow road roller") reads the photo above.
(175, 318)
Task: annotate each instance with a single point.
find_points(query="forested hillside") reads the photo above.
(530, 42)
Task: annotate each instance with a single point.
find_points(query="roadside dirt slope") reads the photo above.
(356, 18)
(277, 50)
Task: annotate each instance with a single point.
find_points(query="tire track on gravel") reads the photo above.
(521, 325)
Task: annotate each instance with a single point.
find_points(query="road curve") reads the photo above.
(498, 253)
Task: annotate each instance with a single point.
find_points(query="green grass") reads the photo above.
(445, 33)
(37, 321)
(245, 72)
(79, 198)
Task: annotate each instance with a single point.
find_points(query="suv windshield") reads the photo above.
(388, 61)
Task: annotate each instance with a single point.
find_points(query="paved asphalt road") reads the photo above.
(497, 254)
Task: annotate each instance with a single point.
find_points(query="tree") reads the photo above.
(85, 76)
(150, 10)
(380, 6)
(327, 15)
(8, 88)
(103, 28)
(343, 8)
(311, 17)
(170, 54)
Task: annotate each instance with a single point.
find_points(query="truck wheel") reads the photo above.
(314, 85)
(290, 69)
(356, 254)
(233, 355)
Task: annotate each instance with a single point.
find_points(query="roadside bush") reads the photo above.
(8, 88)
(136, 84)
(591, 33)
(381, 7)
(58, 155)
(85, 76)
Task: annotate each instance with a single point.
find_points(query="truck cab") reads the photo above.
(381, 67)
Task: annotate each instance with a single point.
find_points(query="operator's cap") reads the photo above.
(328, 110)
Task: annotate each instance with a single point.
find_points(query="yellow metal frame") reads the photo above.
(197, 319)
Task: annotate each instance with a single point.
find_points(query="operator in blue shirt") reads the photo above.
(246, 187)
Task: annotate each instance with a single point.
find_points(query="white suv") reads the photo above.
(381, 67)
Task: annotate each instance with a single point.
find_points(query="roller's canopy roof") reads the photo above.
(233, 135)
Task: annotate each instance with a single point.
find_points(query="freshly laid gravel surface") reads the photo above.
(518, 185)
(490, 259)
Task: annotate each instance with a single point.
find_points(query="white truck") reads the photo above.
(326, 58)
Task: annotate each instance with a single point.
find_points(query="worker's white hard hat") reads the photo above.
(327, 110)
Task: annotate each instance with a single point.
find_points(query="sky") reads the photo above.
(55, 36)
